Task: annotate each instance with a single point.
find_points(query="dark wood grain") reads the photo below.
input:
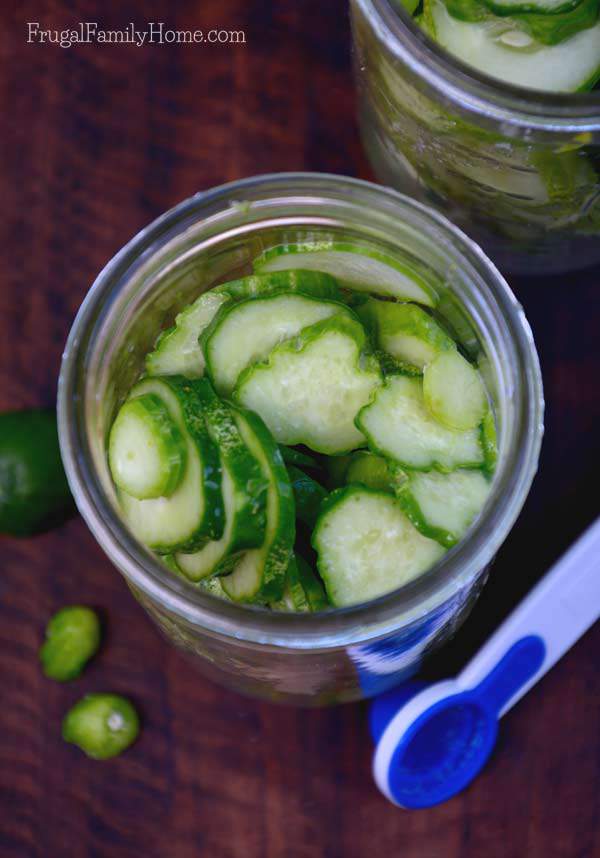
(95, 143)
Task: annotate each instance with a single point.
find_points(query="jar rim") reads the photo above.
(472, 92)
(338, 625)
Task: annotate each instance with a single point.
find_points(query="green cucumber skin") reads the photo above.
(348, 325)
(333, 246)
(374, 472)
(280, 549)
(489, 443)
(308, 495)
(248, 479)
(208, 334)
(314, 283)
(193, 395)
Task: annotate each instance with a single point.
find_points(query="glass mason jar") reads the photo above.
(518, 170)
(340, 654)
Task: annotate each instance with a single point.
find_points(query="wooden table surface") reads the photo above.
(96, 142)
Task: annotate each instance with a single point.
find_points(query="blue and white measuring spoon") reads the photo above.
(432, 741)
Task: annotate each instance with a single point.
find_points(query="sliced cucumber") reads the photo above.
(146, 450)
(454, 392)
(404, 331)
(375, 472)
(489, 442)
(260, 574)
(356, 266)
(244, 495)
(367, 546)
(308, 495)
(291, 456)
(311, 388)
(194, 512)
(177, 350)
(442, 506)
(398, 425)
(243, 333)
(497, 48)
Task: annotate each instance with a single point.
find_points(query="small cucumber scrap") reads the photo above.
(375, 472)
(361, 268)
(399, 426)
(245, 332)
(308, 495)
(405, 331)
(146, 451)
(244, 494)
(454, 392)
(442, 506)
(72, 638)
(311, 388)
(260, 575)
(499, 48)
(102, 725)
(367, 546)
(177, 351)
(193, 514)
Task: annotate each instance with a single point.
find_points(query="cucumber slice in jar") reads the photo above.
(356, 266)
(312, 586)
(146, 450)
(500, 49)
(311, 388)
(245, 332)
(398, 426)
(193, 514)
(244, 494)
(404, 331)
(442, 506)
(260, 574)
(367, 546)
(177, 350)
(454, 392)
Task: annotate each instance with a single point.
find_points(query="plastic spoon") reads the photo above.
(432, 741)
